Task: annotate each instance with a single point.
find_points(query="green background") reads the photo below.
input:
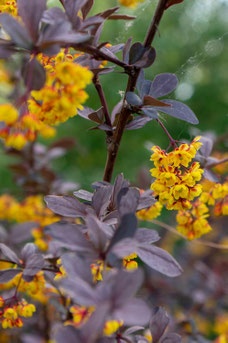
(192, 43)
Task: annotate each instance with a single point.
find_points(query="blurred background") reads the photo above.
(192, 43)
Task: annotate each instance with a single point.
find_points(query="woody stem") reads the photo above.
(113, 147)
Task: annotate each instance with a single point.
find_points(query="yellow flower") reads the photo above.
(8, 113)
(175, 181)
(8, 6)
(128, 262)
(80, 315)
(62, 94)
(193, 223)
(10, 313)
(112, 326)
(16, 140)
(150, 213)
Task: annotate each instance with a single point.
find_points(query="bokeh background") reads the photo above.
(192, 43)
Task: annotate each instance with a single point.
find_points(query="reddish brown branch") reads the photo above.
(132, 80)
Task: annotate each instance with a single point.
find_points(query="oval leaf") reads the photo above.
(179, 110)
(163, 84)
(159, 259)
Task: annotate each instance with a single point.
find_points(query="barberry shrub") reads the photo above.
(83, 268)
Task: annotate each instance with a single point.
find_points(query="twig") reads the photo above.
(101, 95)
(113, 148)
(171, 140)
(173, 230)
(100, 55)
(214, 164)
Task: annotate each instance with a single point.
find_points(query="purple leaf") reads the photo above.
(127, 229)
(146, 200)
(209, 175)
(136, 52)
(179, 110)
(135, 312)
(207, 145)
(158, 323)
(79, 290)
(34, 80)
(28, 250)
(147, 59)
(69, 236)
(33, 265)
(150, 112)
(133, 99)
(25, 232)
(128, 199)
(52, 15)
(134, 329)
(159, 259)
(9, 254)
(72, 7)
(126, 50)
(77, 267)
(137, 123)
(118, 184)
(96, 233)
(16, 31)
(86, 8)
(68, 334)
(125, 247)
(82, 194)
(65, 205)
(31, 13)
(116, 110)
(171, 338)
(119, 287)
(100, 200)
(163, 84)
(6, 49)
(8, 274)
(146, 236)
(95, 324)
(145, 87)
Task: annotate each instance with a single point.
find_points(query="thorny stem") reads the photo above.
(113, 147)
(101, 95)
(171, 140)
(100, 55)
(214, 164)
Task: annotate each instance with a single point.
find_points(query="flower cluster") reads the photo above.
(193, 223)
(10, 315)
(130, 3)
(19, 129)
(8, 6)
(62, 94)
(59, 99)
(216, 194)
(175, 181)
(32, 209)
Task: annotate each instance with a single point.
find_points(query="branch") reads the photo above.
(100, 55)
(101, 95)
(214, 164)
(132, 80)
(198, 241)
(171, 140)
